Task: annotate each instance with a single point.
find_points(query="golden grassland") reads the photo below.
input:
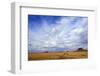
(58, 55)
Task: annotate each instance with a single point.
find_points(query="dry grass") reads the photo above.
(58, 55)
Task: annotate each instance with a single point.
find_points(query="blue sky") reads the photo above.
(57, 33)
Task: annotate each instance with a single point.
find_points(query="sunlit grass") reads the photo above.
(58, 55)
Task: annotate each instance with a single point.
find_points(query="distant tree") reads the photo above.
(80, 49)
(46, 52)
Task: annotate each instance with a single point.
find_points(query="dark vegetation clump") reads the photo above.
(46, 52)
(81, 49)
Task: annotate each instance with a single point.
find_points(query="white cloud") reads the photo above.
(63, 35)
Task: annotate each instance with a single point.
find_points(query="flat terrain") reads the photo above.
(58, 55)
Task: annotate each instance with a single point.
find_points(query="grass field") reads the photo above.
(58, 55)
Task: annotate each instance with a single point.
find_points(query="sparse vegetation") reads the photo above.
(58, 55)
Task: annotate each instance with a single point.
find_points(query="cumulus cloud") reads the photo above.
(65, 34)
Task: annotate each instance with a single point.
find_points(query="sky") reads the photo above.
(57, 33)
